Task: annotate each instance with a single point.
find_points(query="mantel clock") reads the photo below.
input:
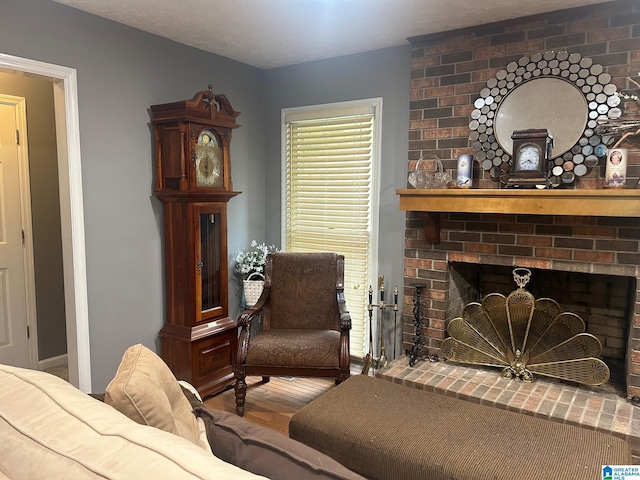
(193, 181)
(531, 155)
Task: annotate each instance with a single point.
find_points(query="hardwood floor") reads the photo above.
(273, 404)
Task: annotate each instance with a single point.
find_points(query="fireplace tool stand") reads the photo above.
(382, 360)
(418, 350)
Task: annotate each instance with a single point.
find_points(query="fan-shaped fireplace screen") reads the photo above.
(525, 336)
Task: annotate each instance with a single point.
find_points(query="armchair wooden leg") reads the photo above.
(344, 374)
(266, 379)
(241, 394)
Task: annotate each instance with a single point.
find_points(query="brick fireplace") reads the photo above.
(592, 235)
(581, 242)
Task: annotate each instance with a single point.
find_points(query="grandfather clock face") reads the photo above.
(209, 161)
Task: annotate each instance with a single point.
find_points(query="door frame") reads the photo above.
(65, 94)
(20, 111)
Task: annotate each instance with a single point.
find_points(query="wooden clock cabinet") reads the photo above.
(193, 181)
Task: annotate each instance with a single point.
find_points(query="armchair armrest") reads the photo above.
(345, 326)
(249, 314)
(244, 322)
(345, 316)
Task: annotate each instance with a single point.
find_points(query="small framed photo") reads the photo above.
(616, 169)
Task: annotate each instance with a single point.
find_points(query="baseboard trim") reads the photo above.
(52, 362)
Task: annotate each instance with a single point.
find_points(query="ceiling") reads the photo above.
(275, 33)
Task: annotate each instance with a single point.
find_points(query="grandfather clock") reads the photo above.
(193, 181)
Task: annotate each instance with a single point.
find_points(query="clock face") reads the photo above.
(528, 157)
(208, 168)
(208, 156)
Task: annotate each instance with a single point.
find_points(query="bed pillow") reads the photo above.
(146, 391)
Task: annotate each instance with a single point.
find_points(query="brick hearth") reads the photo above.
(600, 408)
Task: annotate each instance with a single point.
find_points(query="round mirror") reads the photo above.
(565, 93)
(543, 103)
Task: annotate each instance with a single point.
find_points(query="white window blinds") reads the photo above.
(328, 201)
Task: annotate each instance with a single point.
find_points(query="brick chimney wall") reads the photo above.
(448, 72)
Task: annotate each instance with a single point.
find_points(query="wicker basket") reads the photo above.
(253, 289)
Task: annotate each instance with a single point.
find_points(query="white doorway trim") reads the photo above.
(65, 91)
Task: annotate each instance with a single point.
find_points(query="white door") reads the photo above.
(14, 348)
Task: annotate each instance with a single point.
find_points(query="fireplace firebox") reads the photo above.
(600, 302)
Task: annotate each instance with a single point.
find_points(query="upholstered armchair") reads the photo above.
(305, 323)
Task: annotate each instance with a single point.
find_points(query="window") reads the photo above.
(330, 200)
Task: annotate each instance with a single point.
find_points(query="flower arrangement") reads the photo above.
(252, 261)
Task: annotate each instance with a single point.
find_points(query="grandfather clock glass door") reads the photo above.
(211, 270)
(209, 264)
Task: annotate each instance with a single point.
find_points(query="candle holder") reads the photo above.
(382, 360)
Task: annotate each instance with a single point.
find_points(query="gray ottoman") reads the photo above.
(384, 430)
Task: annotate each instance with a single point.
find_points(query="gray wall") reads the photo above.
(121, 72)
(381, 73)
(45, 211)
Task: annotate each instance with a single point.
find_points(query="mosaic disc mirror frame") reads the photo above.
(578, 96)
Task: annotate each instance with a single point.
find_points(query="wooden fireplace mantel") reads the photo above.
(603, 203)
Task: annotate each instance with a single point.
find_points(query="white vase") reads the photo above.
(253, 289)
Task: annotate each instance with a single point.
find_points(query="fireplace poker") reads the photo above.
(382, 361)
(368, 359)
(395, 319)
